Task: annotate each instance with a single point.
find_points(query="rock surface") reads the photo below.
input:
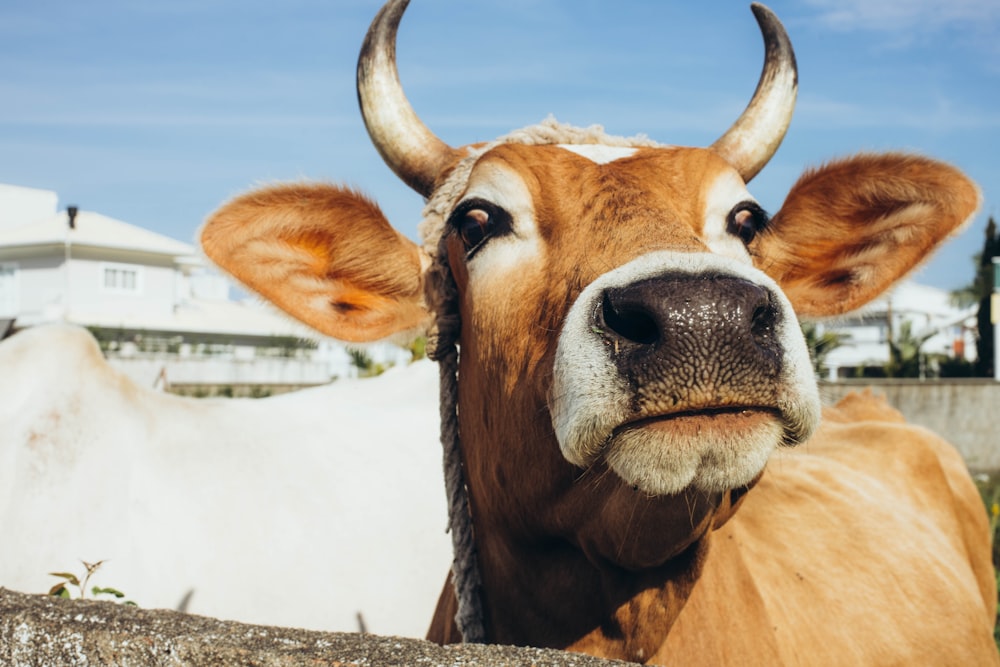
(37, 630)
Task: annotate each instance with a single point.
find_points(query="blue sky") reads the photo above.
(155, 112)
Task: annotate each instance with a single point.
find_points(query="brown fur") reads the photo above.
(864, 546)
(843, 553)
(307, 249)
(847, 240)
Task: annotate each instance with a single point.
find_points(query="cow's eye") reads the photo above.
(477, 221)
(475, 226)
(746, 220)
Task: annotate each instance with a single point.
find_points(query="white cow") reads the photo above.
(299, 510)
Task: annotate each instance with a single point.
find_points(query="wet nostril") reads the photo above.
(763, 318)
(630, 322)
(763, 311)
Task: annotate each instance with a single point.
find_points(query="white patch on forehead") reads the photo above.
(500, 185)
(727, 191)
(598, 153)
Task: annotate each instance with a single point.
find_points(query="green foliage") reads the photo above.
(820, 345)
(363, 361)
(360, 359)
(955, 367)
(904, 353)
(982, 282)
(989, 489)
(62, 589)
(907, 360)
(979, 291)
(287, 347)
(418, 348)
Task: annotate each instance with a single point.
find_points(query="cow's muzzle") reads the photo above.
(679, 369)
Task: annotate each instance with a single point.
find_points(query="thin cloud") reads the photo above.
(140, 119)
(944, 116)
(906, 15)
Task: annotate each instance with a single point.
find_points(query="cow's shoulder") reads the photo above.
(873, 441)
(864, 405)
(43, 365)
(53, 345)
(866, 521)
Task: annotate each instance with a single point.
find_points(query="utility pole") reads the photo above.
(888, 328)
(71, 212)
(995, 316)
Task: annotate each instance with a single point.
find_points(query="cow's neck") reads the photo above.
(551, 594)
(573, 559)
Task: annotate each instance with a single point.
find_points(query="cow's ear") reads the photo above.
(325, 255)
(852, 228)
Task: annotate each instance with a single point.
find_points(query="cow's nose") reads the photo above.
(685, 319)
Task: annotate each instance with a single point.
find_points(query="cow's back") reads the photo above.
(869, 542)
(287, 510)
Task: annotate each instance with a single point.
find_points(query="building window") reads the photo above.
(125, 278)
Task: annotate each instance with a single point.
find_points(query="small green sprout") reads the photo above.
(62, 589)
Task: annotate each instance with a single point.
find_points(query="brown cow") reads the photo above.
(631, 366)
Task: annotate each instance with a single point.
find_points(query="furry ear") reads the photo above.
(325, 255)
(852, 228)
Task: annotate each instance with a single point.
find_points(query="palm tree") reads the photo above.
(821, 343)
(905, 357)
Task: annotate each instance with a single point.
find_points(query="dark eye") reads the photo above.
(475, 226)
(746, 220)
(476, 221)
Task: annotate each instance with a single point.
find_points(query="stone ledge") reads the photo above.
(40, 630)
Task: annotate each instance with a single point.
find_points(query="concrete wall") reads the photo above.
(964, 412)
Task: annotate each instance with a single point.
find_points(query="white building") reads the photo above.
(995, 316)
(928, 310)
(161, 312)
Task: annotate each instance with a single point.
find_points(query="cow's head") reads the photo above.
(629, 344)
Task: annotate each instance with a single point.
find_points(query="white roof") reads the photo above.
(19, 205)
(911, 297)
(916, 298)
(93, 230)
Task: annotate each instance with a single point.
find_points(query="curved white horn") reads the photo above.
(411, 150)
(756, 135)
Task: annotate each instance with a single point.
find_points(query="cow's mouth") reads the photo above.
(713, 449)
(702, 422)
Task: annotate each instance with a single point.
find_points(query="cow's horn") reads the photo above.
(756, 135)
(404, 142)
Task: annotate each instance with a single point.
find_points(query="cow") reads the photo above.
(649, 473)
(201, 504)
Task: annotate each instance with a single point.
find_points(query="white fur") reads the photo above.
(600, 154)
(727, 191)
(501, 185)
